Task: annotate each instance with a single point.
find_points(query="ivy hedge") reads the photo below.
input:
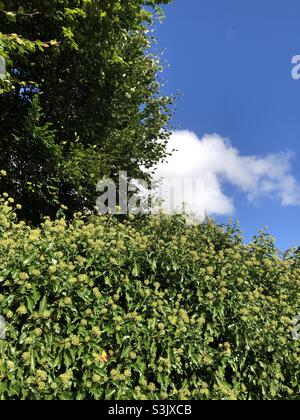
(101, 308)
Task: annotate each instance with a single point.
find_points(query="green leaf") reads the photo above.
(43, 305)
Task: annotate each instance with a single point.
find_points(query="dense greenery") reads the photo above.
(81, 99)
(102, 307)
(145, 309)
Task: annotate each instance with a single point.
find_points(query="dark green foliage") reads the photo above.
(82, 100)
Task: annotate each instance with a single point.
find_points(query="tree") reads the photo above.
(83, 100)
(148, 308)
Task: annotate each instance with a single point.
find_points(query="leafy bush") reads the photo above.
(99, 308)
(79, 99)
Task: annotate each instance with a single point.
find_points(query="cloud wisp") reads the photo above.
(202, 166)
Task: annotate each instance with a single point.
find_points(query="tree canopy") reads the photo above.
(81, 99)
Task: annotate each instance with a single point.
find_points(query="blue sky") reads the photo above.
(231, 62)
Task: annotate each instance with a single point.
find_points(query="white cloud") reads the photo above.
(212, 161)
